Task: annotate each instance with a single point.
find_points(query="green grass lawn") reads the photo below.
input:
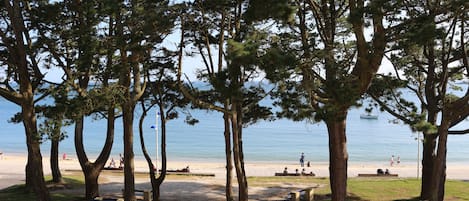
(374, 189)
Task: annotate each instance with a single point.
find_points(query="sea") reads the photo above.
(279, 141)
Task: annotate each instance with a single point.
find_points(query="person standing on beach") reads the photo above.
(112, 164)
(392, 160)
(302, 159)
(121, 161)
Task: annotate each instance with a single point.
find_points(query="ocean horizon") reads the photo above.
(283, 140)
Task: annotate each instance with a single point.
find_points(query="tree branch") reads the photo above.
(183, 89)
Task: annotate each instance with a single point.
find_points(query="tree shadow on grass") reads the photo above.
(410, 199)
(170, 190)
(350, 197)
(20, 193)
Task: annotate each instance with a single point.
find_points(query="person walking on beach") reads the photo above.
(302, 159)
(392, 160)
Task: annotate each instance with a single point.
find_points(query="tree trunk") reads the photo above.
(129, 177)
(439, 166)
(93, 170)
(338, 158)
(19, 53)
(91, 180)
(54, 161)
(155, 187)
(237, 153)
(429, 145)
(162, 176)
(34, 171)
(229, 160)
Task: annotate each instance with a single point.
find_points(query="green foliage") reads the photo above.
(259, 10)
(254, 111)
(244, 46)
(293, 101)
(425, 127)
(277, 63)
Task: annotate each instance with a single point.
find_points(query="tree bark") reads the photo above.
(429, 145)
(129, 177)
(162, 176)
(34, 171)
(91, 181)
(229, 160)
(17, 50)
(338, 158)
(54, 161)
(237, 152)
(93, 170)
(439, 166)
(155, 187)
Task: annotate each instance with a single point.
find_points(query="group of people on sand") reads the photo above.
(381, 172)
(112, 164)
(303, 172)
(391, 161)
(302, 164)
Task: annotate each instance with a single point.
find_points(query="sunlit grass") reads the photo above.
(369, 188)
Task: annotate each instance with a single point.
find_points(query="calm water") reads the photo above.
(279, 141)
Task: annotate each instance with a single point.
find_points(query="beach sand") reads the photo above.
(212, 188)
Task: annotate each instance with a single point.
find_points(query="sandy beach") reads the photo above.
(12, 172)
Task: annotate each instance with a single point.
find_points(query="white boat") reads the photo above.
(368, 116)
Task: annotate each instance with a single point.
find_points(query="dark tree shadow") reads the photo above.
(410, 199)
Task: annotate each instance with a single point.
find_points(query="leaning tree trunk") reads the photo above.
(151, 167)
(338, 158)
(91, 180)
(34, 171)
(229, 160)
(54, 161)
(162, 176)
